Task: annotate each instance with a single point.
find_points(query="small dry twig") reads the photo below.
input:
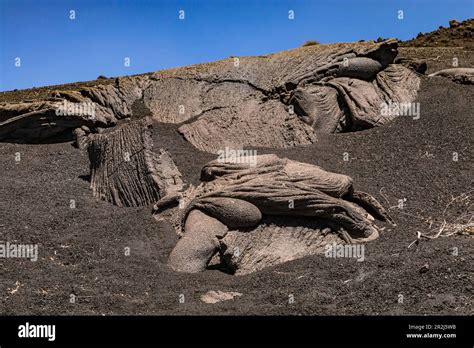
(461, 225)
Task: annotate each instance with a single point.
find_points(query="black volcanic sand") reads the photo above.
(81, 250)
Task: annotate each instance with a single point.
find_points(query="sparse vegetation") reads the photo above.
(310, 43)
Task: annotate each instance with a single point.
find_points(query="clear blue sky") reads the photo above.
(55, 49)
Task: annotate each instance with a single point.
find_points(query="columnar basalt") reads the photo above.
(124, 169)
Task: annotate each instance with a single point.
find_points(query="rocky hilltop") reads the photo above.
(458, 34)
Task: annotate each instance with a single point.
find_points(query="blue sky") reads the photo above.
(55, 49)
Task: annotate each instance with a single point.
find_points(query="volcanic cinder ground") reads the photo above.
(83, 250)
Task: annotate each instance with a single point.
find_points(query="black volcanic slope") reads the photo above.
(81, 250)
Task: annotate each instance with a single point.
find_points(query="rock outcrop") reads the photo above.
(124, 169)
(278, 100)
(459, 75)
(240, 206)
